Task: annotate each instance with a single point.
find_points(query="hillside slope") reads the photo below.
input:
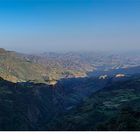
(116, 107)
(85, 105)
(16, 69)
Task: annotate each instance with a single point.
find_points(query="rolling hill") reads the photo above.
(15, 69)
(51, 67)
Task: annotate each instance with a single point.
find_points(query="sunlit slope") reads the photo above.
(16, 69)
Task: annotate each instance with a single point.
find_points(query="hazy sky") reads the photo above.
(69, 25)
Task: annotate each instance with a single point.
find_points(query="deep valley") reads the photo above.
(72, 91)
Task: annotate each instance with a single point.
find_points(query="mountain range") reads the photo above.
(50, 67)
(69, 91)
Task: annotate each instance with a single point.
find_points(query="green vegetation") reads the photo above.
(33, 98)
(16, 69)
(29, 106)
(116, 107)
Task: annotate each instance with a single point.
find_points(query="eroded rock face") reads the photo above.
(103, 77)
(120, 75)
(52, 83)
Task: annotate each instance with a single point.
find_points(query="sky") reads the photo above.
(32, 26)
